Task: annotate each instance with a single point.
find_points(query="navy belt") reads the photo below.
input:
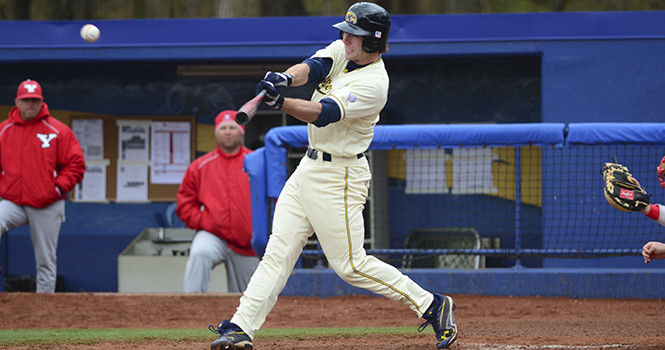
(314, 154)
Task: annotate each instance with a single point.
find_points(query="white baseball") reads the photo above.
(90, 33)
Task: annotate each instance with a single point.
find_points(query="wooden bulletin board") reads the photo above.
(156, 192)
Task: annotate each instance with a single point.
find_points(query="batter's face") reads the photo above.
(28, 107)
(229, 138)
(353, 46)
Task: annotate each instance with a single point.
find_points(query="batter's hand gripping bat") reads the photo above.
(247, 111)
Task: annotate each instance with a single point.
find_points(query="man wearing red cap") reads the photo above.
(214, 199)
(40, 161)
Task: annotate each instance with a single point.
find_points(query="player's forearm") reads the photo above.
(300, 73)
(303, 110)
(653, 211)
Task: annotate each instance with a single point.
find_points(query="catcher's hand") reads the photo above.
(623, 191)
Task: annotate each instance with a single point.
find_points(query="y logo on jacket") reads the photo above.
(46, 139)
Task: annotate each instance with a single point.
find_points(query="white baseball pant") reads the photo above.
(44, 231)
(327, 198)
(208, 251)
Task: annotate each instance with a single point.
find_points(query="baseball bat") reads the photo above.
(247, 111)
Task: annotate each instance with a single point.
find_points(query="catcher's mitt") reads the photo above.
(623, 191)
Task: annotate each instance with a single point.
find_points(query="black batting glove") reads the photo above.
(273, 98)
(278, 81)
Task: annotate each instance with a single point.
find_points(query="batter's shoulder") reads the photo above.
(335, 51)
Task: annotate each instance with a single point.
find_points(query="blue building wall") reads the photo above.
(593, 67)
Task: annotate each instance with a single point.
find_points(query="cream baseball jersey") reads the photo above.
(360, 94)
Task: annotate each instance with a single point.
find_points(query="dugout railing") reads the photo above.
(536, 189)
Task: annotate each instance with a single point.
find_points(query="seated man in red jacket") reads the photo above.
(214, 199)
(40, 161)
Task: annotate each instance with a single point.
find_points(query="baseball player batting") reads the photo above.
(326, 194)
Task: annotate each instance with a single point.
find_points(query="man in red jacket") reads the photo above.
(40, 161)
(214, 199)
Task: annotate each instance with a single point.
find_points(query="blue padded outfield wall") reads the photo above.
(562, 272)
(538, 68)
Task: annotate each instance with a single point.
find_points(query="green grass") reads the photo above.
(18, 337)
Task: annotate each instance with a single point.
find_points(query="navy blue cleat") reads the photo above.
(440, 316)
(231, 337)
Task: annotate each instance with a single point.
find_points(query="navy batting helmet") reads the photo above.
(369, 20)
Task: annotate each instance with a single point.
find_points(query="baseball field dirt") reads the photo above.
(485, 322)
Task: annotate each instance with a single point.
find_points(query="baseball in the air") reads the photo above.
(90, 33)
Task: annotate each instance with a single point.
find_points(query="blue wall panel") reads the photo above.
(572, 283)
(595, 81)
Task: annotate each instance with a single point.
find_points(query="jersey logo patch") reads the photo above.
(325, 87)
(46, 139)
(352, 97)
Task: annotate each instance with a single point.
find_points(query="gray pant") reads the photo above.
(44, 231)
(208, 251)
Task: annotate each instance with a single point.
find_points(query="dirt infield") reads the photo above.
(485, 322)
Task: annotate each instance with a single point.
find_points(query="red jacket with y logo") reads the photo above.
(215, 196)
(40, 160)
